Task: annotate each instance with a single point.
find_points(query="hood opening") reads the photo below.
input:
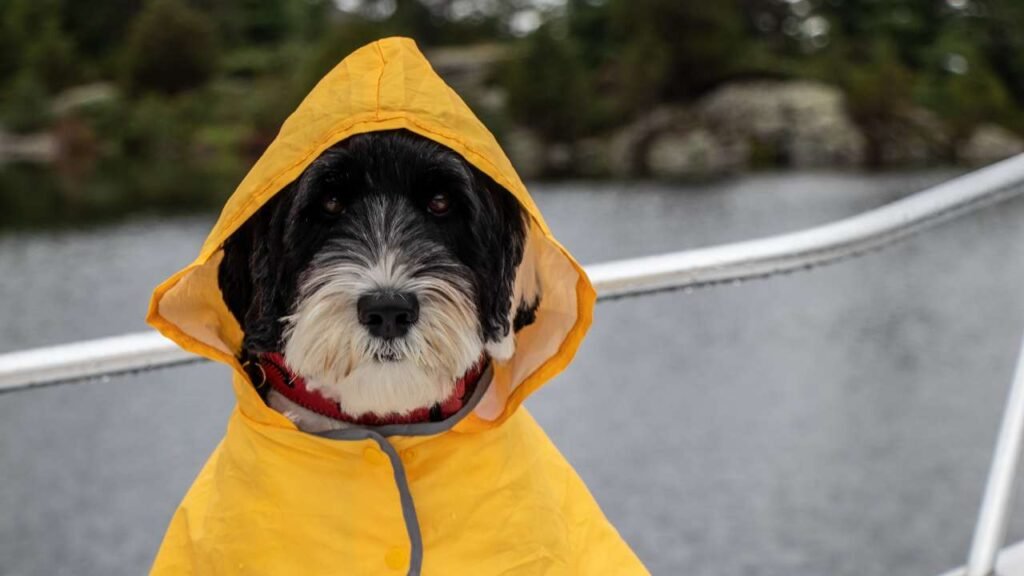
(385, 85)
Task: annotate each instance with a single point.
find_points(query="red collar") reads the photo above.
(293, 387)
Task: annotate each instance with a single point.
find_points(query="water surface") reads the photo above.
(835, 422)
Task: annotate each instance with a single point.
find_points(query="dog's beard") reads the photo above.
(326, 344)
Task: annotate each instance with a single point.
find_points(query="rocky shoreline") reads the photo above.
(738, 127)
(756, 124)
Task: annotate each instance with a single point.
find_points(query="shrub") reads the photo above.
(26, 107)
(967, 94)
(170, 48)
(50, 56)
(677, 50)
(547, 86)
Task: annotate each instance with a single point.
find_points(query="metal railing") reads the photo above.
(736, 262)
(994, 514)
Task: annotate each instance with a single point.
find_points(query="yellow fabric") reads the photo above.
(493, 495)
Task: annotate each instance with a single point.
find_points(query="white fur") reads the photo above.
(325, 343)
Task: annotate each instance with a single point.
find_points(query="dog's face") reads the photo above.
(383, 273)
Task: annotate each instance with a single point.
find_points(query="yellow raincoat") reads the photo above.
(483, 492)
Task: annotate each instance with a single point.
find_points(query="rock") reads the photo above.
(592, 158)
(627, 147)
(527, 152)
(989, 143)
(694, 154)
(916, 137)
(805, 123)
(559, 159)
(83, 96)
(39, 148)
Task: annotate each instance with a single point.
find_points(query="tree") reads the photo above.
(170, 48)
(96, 28)
(960, 85)
(50, 57)
(677, 50)
(32, 43)
(548, 86)
(1003, 43)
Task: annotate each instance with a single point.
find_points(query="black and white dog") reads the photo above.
(383, 274)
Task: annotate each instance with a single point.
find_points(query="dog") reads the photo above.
(389, 269)
(388, 295)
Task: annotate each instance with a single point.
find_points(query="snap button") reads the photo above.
(374, 456)
(397, 558)
(409, 454)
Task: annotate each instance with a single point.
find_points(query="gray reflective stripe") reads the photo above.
(379, 435)
(412, 524)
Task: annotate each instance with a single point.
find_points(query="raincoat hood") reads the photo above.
(482, 492)
(385, 85)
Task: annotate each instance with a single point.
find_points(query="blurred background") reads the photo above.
(835, 422)
(130, 105)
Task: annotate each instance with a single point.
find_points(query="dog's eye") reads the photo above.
(331, 204)
(439, 204)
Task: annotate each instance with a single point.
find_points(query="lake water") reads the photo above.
(836, 422)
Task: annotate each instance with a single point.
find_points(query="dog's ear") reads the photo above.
(527, 294)
(248, 277)
(514, 296)
(233, 275)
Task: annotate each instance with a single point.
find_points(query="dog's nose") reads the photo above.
(387, 314)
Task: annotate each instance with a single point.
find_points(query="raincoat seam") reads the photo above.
(469, 148)
(380, 77)
(347, 127)
(241, 214)
(513, 185)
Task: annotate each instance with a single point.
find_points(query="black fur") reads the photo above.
(482, 237)
(526, 314)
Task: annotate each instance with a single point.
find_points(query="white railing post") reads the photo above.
(990, 531)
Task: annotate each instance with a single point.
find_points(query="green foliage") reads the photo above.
(26, 107)
(20, 208)
(337, 43)
(32, 43)
(879, 94)
(676, 50)
(207, 83)
(243, 23)
(51, 57)
(548, 86)
(96, 28)
(157, 127)
(878, 87)
(968, 100)
(171, 48)
(621, 57)
(968, 96)
(1002, 44)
